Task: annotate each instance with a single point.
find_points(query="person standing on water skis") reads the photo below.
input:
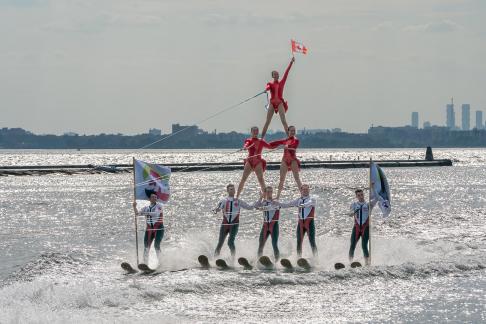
(306, 215)
(277, 104)
(155, 226)
(230, 206)
(360, 210)
(271, 215)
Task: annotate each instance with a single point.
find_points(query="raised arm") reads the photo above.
(284, 78)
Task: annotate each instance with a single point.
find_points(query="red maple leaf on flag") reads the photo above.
(298, 47)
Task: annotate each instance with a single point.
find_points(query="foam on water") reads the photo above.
(61, 254)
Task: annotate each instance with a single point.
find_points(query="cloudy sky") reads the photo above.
(93, 66)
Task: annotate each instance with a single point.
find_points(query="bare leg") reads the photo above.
(295, 171)
(259, 174)
(281, 112)
(270, 113)
(244, 177)
(283, 174)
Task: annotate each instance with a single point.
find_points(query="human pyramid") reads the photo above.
(306, 205)
(270, 206)
(231, 205)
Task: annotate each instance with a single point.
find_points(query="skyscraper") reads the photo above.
(466, 117)
(415, 119)
(451, 118)
(479, 119)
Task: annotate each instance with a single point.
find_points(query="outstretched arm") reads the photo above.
(246, 205)
(277, 143)
(293, 203)
(267, 145)
(284, 78)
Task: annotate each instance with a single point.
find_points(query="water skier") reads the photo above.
(277, 104)
(154, 231)
(271, 215)
(254, 162)
(230, 206)
(360, 209)
(306, 214)
(289, 159)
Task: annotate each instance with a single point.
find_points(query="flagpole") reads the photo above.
(369, 214)
(135, 217)
(291, 48)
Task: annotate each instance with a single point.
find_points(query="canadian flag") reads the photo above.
(298, 47)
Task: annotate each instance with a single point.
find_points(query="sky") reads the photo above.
(119, 66)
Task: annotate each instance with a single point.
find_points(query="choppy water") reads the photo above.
(63, 238)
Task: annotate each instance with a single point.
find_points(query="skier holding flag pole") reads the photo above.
(151, 181)
(361, 212)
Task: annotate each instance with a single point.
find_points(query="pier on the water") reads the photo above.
(208, 167)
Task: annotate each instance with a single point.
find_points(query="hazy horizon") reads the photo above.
(111, 66)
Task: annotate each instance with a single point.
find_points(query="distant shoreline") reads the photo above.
(377, 137)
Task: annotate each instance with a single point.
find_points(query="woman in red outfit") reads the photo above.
(277, 103)
(289, 159)
(254, 161)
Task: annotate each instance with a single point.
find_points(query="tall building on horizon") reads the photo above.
(451, 118)
(415, 119)
(466, 117)
(479, 119)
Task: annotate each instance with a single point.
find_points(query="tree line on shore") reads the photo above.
(386, 137)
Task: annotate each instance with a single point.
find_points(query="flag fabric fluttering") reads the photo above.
(151, 178)
(380, 187)
(298, 47)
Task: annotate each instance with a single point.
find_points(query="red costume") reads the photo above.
(291, 143)
(255, 147)
(276, 89)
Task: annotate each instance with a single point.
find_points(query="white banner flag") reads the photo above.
(151, 178)
(380, 187)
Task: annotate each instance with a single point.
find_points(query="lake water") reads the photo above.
(62, 240)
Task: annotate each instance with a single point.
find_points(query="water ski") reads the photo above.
(266, 262)
(221, 264)
(303, 263)
(145, 268)
(203, 261)
(128, 268)
(355, 264)
(244, 263)
(287, 264)
(339, 266)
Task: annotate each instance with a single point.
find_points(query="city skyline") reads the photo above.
(113, 66)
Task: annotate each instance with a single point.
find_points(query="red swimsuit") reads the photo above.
(289, 155)
(276, 89)
(255, 147)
